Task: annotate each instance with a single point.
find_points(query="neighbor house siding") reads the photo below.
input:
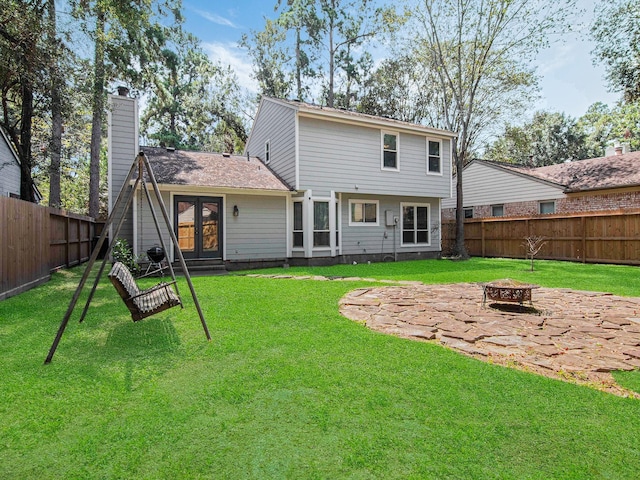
(259, 232)
(347, 158)
(365, 239)
(485, 185)
(275, 123)
(9, 170)
(123, 148)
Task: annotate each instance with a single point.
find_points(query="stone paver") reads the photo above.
(571, 335)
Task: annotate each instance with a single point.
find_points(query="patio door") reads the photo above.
(198, 223)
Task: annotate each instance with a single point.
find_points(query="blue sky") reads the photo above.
(570, 82)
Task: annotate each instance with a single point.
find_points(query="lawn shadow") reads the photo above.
(151, 337)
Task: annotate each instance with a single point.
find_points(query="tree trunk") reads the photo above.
(298, 66)
(459, 248)
(55, 147)
(26, 180)
(332, 55)
(96, 124)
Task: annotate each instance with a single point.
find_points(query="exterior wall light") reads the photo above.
(236, 212)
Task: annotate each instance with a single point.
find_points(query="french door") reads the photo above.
(198, 223)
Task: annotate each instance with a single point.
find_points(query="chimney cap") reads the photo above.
(123, 91)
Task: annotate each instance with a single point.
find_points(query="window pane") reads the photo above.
(407, 218)
(423, 236)
(497, 210)
(547, 207)
(298, 239)
(423, 218)
(390, 159)
(320, 239)
(370, 213)
(434, 164)
(468, 213)
(407, 236)
(297, 215)
(321, 216)
(434, 148)
(356, 212)
(390, 142)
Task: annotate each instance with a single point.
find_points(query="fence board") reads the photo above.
(36, 240)
(603, 237)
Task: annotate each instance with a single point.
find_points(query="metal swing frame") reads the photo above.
(120, 208)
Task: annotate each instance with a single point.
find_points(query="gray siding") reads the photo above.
(9, 170)
(486, 185)
(259, 231)
(276, 123)
(123, 148)
(339, 156)
(363, 239)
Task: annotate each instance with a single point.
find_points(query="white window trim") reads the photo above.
(497, 205)
(364, 224)
(411, 204)
(397, 135)
(546, 201)
(267, 152)
(429, 172)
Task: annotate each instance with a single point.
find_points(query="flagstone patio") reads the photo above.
(567, 334)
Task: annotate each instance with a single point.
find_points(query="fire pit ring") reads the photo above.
(507, 290)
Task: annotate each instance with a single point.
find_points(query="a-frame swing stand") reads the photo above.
(123, 203)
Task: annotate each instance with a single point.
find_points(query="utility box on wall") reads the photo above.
(390, 219)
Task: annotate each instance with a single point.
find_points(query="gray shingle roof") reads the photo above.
(212, 170)
(615, 171)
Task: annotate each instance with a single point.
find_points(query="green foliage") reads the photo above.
(122, 252)
(616, 31)
(549, 138)
(289, 389)
(195, 104)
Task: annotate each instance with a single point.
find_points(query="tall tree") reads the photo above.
(193, 101)
(616, 32)
(270, 56)
(127, 39)
(549, 138)
(477, 53)
(22, 71)
(56, 82)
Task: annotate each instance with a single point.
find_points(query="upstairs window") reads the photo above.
(390, 151)
(434, 157)
(267, 151)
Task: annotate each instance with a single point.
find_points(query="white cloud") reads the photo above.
(230, 54)
(215, 18)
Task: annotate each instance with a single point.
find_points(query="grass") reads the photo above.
(290, 389)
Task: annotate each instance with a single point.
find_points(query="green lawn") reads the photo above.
(290, 389)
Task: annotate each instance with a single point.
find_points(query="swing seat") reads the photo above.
(142, 303)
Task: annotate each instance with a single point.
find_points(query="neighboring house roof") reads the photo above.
(338, 114)
(615, 171)
(178, 167)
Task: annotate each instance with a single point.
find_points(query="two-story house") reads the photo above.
(315, 185)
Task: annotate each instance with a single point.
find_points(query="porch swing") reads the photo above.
(141, 303)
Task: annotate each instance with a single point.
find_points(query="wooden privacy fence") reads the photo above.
(36, 240)
(607, 237)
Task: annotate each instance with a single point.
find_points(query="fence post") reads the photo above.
(482, 230)
(584, 239)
